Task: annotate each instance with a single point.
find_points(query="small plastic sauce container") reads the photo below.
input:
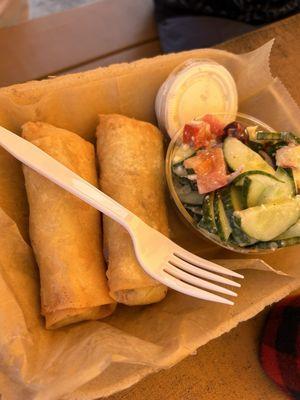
(196, 87)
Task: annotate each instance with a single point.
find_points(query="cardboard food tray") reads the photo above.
(95, 359)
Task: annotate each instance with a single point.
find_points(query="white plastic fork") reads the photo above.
(161, 258)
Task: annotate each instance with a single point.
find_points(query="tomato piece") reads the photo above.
(210, 168)
(216, 126)
(189, 133)
(203, 133)
(197, 134)
(191, 163)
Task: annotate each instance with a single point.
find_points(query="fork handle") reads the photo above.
(56, 172)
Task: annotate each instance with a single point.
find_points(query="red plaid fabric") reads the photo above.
(280, 346)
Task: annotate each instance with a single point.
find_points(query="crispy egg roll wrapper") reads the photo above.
(131, 163)
(65, 233)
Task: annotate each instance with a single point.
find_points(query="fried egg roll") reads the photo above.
(131, 163)
(13, 198)
(65, 233)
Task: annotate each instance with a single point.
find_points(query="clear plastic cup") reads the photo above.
(244, 119)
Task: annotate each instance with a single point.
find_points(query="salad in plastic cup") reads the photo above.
(235, 180)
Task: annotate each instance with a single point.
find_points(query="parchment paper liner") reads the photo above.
(96, 359)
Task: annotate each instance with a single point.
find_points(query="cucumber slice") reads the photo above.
(182, 153)
(277, 244)
(293, 231)
(281, 190)
(238, 154)
(251, 130)
(254, 185)
(208, 220)
(222, 222)
(235, 197)
(245, 191)
(267, 221)
(232, 200)
(239, 180)
(286, 175)
(277, 136)
(296, 175)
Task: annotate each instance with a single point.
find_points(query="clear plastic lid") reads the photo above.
(196, 87)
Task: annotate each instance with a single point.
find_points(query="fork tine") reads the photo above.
(202, 263)
(190, 290)
(198, 282)
(187, 267)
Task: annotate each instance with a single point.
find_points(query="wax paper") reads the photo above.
(94, 359)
